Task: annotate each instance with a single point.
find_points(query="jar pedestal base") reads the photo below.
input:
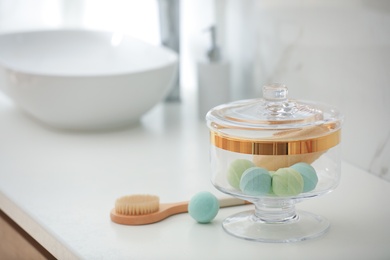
(302, 226)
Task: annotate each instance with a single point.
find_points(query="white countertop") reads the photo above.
(60, 187)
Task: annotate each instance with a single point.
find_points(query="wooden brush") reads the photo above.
(147, 209)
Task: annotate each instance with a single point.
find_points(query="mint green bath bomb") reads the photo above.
(203, 207)
(235, 171)
(309, 175)
(255, 181)
(287, 182)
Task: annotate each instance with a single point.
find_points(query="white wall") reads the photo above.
(336, 52)
(137, 18)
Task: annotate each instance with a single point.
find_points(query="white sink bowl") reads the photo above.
(84, 80)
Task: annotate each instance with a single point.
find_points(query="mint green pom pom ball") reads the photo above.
(203, 207)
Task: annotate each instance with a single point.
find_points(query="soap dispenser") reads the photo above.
(213, 78)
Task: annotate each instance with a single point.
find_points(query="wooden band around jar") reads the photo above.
(273, 147)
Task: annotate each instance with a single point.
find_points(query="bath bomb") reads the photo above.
(235, 171)
(287, 182)
(255, 181)
(203, 207)
(309, 175)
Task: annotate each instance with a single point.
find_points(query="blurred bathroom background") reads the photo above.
(333, 51)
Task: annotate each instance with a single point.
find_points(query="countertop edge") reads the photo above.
(33, 228)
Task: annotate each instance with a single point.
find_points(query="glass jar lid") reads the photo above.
(274, 120)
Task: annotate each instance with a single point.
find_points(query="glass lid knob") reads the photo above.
(276, 103)
(275, 92)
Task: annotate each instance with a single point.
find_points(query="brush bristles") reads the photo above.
(137, 204)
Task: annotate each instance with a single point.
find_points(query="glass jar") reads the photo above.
(275, 152)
